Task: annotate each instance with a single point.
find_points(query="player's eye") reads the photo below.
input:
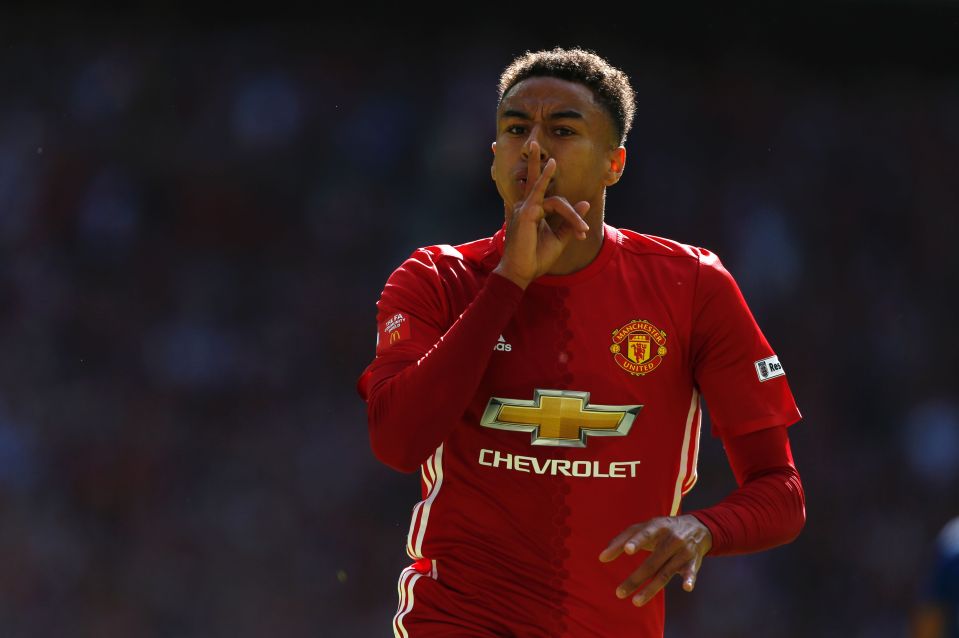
(515, 129)
(564, 132)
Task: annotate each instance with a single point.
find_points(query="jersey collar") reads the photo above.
(612, 239)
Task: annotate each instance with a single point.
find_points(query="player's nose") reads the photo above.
(534, 136)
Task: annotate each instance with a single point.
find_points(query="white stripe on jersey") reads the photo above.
(693, 476)
(438, 463)
(421, 513)
(684, 455)
(405, 588)
(426, 471)
(430, 475)
(432, 469)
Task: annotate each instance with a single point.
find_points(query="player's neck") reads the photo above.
(580, 253)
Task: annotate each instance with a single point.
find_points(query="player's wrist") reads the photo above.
(506, 273)
(703, 522)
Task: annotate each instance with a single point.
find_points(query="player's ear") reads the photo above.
(492, 167)
(617, 164)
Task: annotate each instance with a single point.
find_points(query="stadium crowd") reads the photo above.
(194, 230)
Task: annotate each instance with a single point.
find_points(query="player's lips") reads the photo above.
(520, 176)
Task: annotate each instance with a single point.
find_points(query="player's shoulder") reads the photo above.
(686, 260)
(443, 258)
(652, 245)
(473, 252)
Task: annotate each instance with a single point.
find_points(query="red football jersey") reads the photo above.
(584, 421)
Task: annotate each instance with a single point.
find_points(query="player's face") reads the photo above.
(570, 126)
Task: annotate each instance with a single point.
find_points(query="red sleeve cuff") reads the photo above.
(769, 507)
(764, 513)
(504, 288)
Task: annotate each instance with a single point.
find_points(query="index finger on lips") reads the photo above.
(538, 190)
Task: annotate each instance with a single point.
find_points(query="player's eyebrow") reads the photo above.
(566, 115)
(558, 115)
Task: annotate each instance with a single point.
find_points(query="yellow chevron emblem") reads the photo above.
(563, 418)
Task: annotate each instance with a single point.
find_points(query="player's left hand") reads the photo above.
(677, 545)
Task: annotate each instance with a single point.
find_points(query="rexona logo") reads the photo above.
(769, 368)
(502, 346)
(561, 418)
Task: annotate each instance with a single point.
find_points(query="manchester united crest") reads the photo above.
(638, 347)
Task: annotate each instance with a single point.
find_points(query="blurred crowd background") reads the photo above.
(196, 221)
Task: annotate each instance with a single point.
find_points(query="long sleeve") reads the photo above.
(418, 388)
(768, 508)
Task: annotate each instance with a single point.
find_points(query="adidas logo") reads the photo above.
(502, 346)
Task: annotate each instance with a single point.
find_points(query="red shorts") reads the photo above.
(428, 609)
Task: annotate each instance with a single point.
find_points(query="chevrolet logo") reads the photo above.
(559, 417)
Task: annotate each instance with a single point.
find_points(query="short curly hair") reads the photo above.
(609, 85)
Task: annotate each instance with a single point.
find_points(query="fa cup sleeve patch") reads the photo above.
(769, 368)
(391, 330)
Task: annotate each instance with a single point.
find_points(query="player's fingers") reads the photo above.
(564, 233)
(581, 209)
(618, 545)
(538, 190)
(658, 581)
(660, 557)
(561, 206)
(688, 574)
(532, 167)
(645, 537)
(615, 547)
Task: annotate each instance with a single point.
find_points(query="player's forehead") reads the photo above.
(544, 95)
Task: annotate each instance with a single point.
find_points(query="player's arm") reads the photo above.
(750, 404)
(768, 509)
(419, 386)
(750, 412)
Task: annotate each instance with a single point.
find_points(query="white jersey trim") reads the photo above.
(684, 465)
(693, 474)
(408, 578)
(429, 476)
(421, 513)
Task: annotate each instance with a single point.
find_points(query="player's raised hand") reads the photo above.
(532, 244)
(677, 545)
